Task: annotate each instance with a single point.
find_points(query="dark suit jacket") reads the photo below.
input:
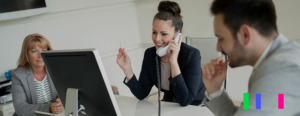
(186, 88)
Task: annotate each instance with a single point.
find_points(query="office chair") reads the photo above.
(207, 47)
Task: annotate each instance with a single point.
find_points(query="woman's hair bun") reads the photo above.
(169, 6)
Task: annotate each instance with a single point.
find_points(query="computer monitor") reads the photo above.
(82, 70)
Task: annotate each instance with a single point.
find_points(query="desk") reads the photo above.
(7, 109)
(131, 106)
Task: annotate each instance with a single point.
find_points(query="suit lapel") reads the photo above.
(31, 84)
(277, 42)
(251, 79)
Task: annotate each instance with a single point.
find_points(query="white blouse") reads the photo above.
(165, 75)
(43, 91)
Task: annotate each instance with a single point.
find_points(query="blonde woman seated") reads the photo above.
(32, 88)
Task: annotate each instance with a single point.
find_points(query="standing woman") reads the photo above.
(32, 87)
(180, 70)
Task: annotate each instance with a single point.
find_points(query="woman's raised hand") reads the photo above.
(124, 63)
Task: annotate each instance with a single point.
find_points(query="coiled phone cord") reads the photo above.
(158, 83)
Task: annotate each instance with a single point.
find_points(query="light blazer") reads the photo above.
(279, 72)
(24, 93)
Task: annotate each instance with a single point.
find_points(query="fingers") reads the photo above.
(52, 108)
(121, 53)
(120, 50)
(124, 52)
(206, 74)
(58, 104)
(58, 100)
(226, 63)
(57, 107)
(58, 110)
(171, 42)
(218, 60)
(210, 68)
(215, 65)
(171, 48)
(173, 45)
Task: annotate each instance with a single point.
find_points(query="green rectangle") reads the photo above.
(246, 101)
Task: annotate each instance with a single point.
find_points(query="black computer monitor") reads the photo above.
(82, 70)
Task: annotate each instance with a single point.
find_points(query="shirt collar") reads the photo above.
(262, 56)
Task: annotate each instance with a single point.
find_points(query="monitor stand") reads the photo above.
(71, 102)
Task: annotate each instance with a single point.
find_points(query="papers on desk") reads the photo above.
(39, 113)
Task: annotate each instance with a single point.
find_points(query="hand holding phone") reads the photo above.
(164, 50)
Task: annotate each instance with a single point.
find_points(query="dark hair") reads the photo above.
(259, 14)
(168, 10)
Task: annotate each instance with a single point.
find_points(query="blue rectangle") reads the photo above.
(258, 101)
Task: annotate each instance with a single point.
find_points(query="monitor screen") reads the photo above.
(17, 5)
(83, 70)
(13, 9)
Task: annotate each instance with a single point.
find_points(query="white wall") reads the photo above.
(198, 22)
(75, 24)
(196, 18)
(288, 18)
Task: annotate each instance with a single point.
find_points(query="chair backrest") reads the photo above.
(207, 47)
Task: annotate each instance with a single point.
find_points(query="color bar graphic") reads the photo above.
(280, 101)
(258, 101)
(246, 101)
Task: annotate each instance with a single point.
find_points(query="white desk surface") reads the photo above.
(131, 106)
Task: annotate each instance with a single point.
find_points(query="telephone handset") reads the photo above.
(164, 50)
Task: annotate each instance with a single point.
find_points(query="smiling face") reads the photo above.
(34, 55)
(228, 45)
(162, 32)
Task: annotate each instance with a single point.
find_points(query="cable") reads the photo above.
(158, 83)
(81, 111)
(225, 81)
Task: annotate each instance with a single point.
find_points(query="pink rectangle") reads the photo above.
(280, 101)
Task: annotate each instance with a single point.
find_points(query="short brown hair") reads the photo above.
(29, 42)
(168, 10)
(259, 14)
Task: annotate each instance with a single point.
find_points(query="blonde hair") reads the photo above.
(30, 42)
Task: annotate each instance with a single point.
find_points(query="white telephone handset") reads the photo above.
(164, 50)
